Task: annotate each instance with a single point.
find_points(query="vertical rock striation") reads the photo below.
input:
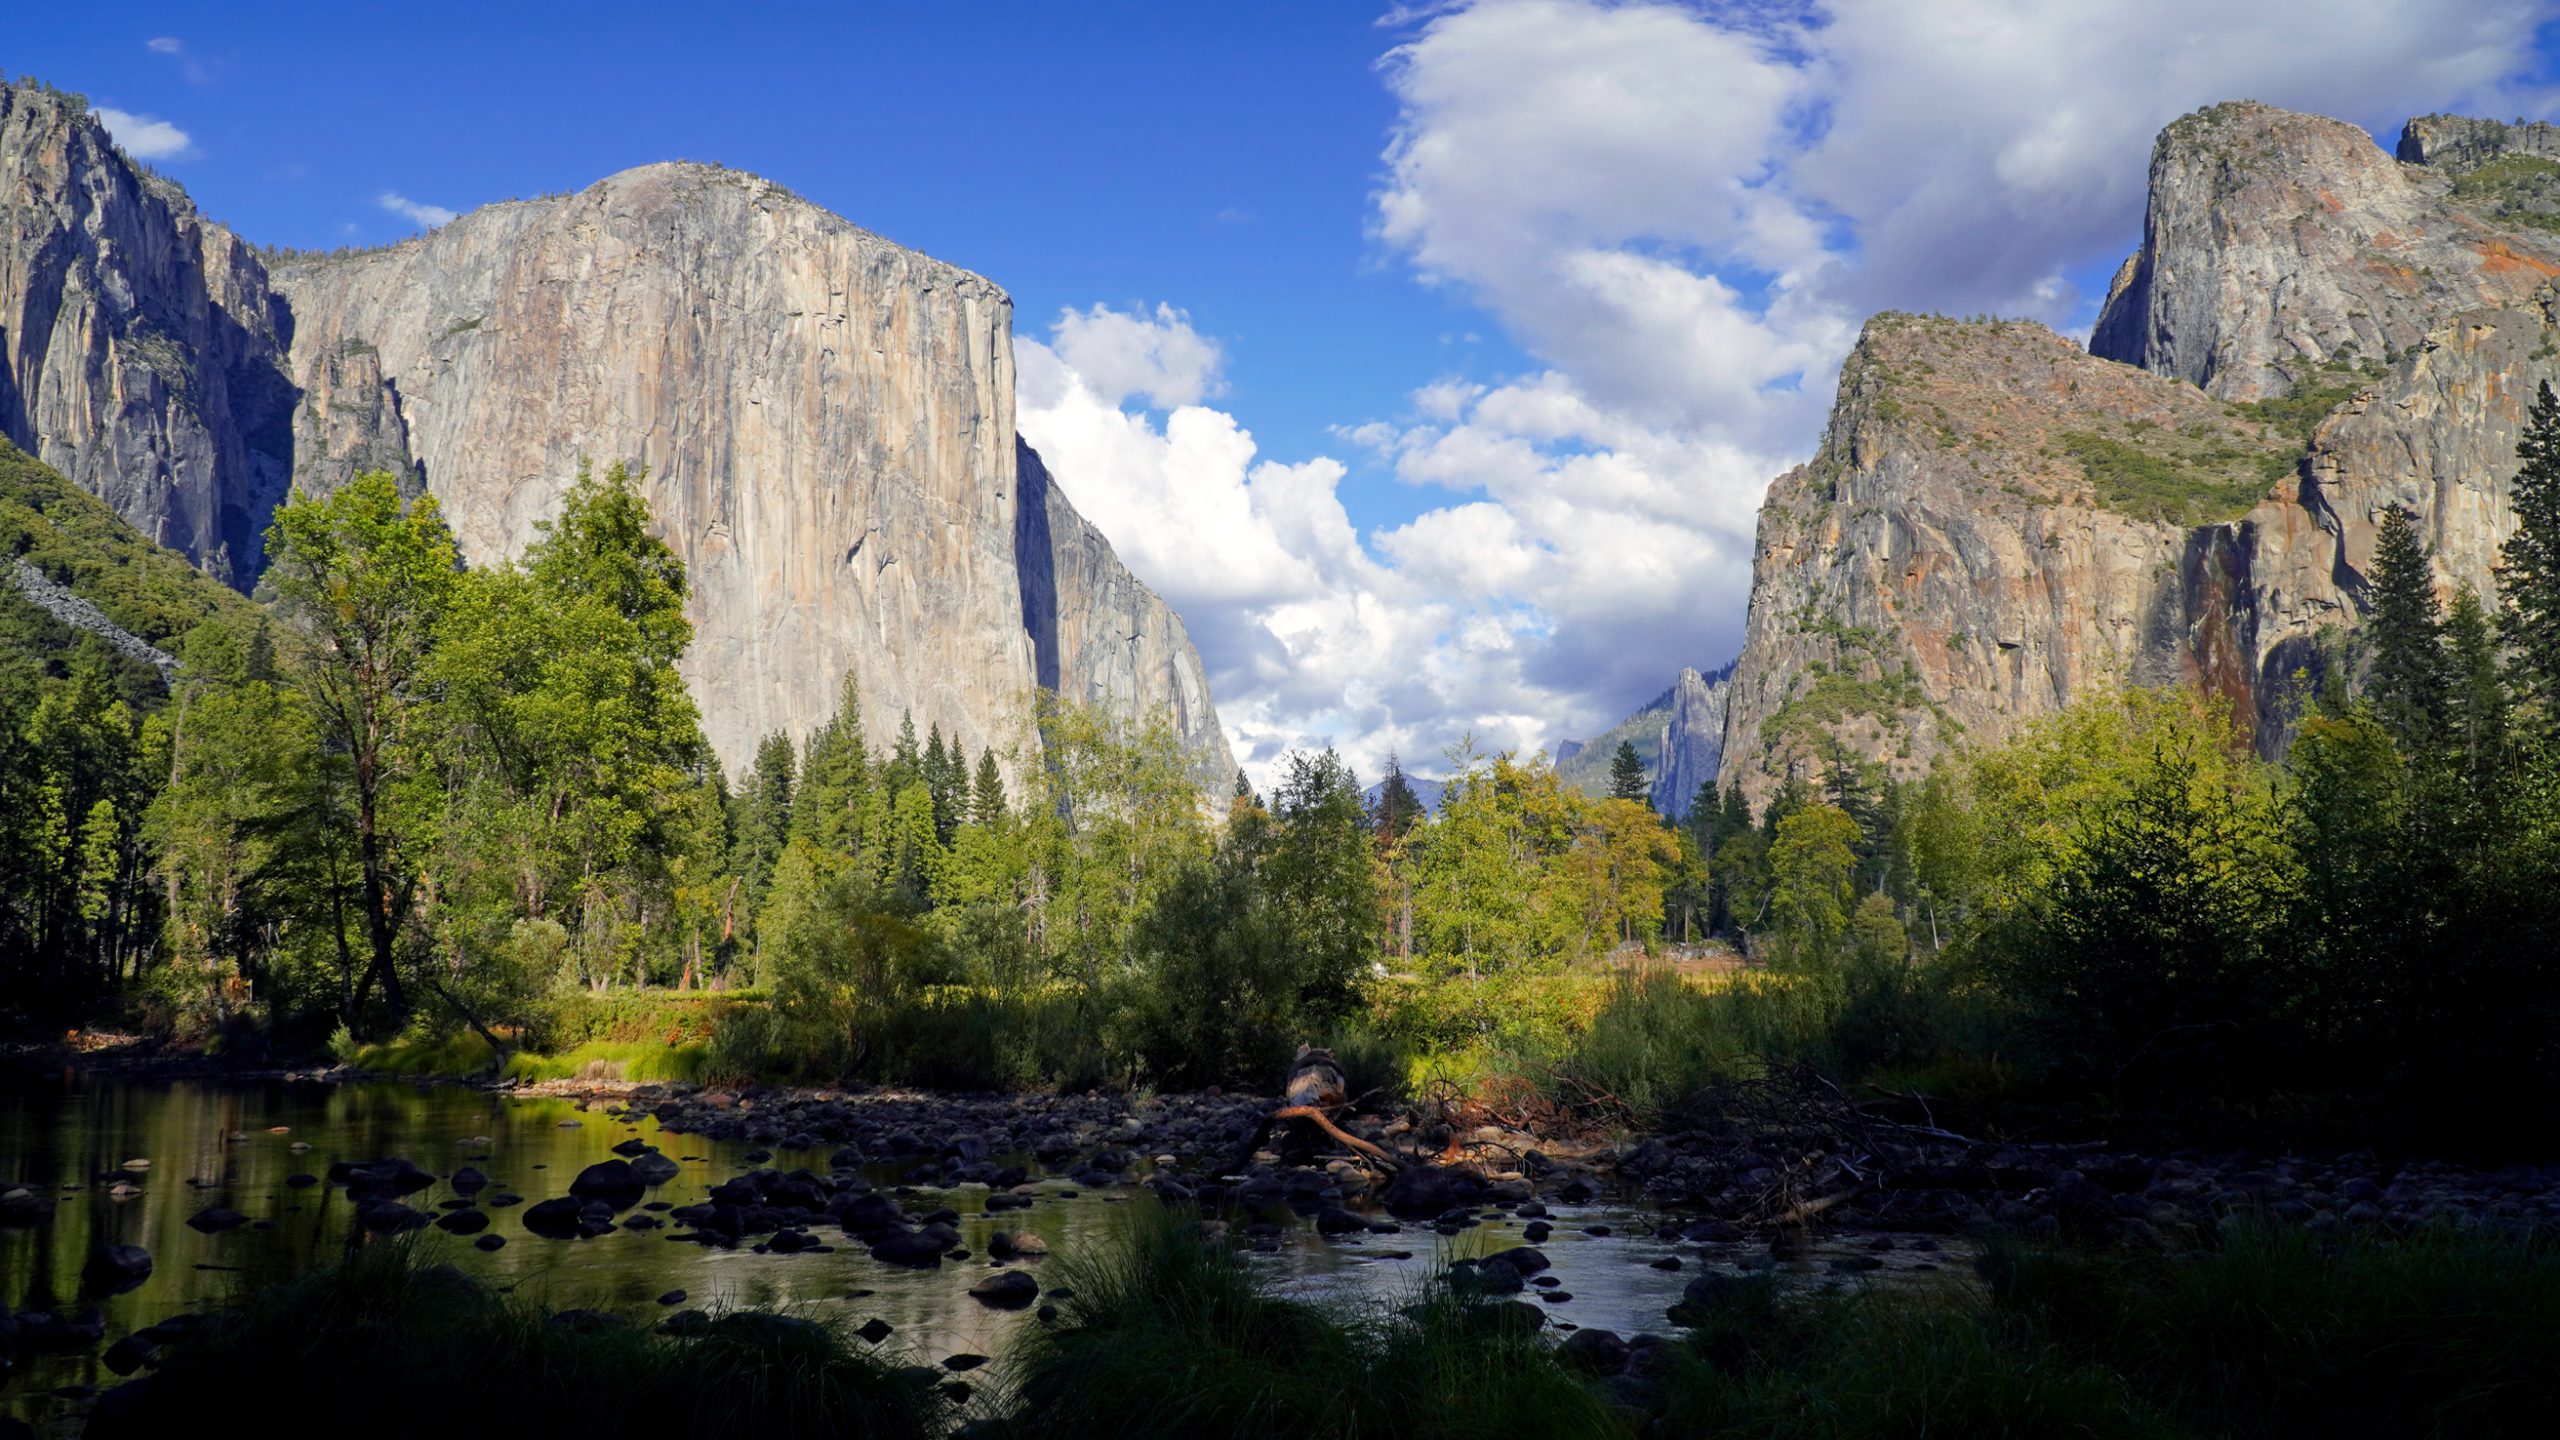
(1692, 748)
(2277, 243)
(1997, 524)
(140, 347)
(826, 419)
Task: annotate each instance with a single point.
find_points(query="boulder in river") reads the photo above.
(463, 1222)
(918, 1251)
(118, 1267)
(213, 1220)
(1006, 1290)
(554, 1219)
(610, 1182)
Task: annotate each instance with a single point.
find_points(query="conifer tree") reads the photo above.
(945, 784)
(1397, 809)
(835, 775)
(2405, 634)
(1626, 773)
(2478, 713)
(2529, 564)
(986, 806)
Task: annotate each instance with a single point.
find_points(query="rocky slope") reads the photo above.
(1998, 523)
(826, 419)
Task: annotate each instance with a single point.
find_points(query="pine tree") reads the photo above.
(945, 783)
(2404, 631)
(2478, 713)
(1397, 809)
(2529, 565)
(762, 814)
(906, 761)
(1626, 773)
(986, 807)
(835, 775)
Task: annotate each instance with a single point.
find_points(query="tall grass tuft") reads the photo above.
(1168, 1334)
(401, 1348)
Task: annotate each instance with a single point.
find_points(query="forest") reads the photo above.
(414, 811)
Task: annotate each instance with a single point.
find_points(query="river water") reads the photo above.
(235, 1145)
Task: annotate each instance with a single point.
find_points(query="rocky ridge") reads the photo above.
(1997, 523)
(826, 419)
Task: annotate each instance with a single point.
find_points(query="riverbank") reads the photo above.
(1161, 1330)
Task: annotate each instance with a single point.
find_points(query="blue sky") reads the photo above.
(1217, 157)
(1432, 363)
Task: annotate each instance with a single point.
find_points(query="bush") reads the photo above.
(1170, 1335)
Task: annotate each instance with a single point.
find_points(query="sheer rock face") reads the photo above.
(1098, 636)
(1943, 567)
(826, 418)
(1949, 566)
(1692, 739)
(2276, 243)
(140, 348)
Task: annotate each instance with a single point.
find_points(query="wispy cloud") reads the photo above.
(197, 69)
(415, 211)
(146, 137)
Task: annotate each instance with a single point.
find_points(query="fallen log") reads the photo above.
(1313, 1094)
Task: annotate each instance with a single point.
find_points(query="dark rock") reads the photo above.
(1595, 1351)
(463, 1222)
(554, 1219)
(1521, 1258)
(490, 1242)
(215, 1219)
(876, 1330)
(962, 1362)
(1006, 1290)
(610, 1183)
(916, 1250)
(389, 1217)
(467, 1182)
(118, 1267)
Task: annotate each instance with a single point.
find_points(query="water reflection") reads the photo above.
(238, 1145)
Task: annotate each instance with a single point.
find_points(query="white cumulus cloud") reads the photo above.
(145, 137)
(1682, 212)
(415, 211)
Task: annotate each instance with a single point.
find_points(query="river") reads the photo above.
(178, 1147)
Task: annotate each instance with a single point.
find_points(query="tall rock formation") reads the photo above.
(1679, 735)
(2278, 243)
(826, 419)
(140, 347)
(1692, 748)
(1998, 524)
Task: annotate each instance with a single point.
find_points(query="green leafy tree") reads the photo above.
(1812, 865)
(362, 579)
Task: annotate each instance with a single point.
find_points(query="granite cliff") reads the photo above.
(1998, 522)
(826, 419)
(1679, 735)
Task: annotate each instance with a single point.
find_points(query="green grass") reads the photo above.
(2178, 487)
(399, 1348)
(612, 1060)
(465, 1054)
(1170, 1335)
(2509, 186)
